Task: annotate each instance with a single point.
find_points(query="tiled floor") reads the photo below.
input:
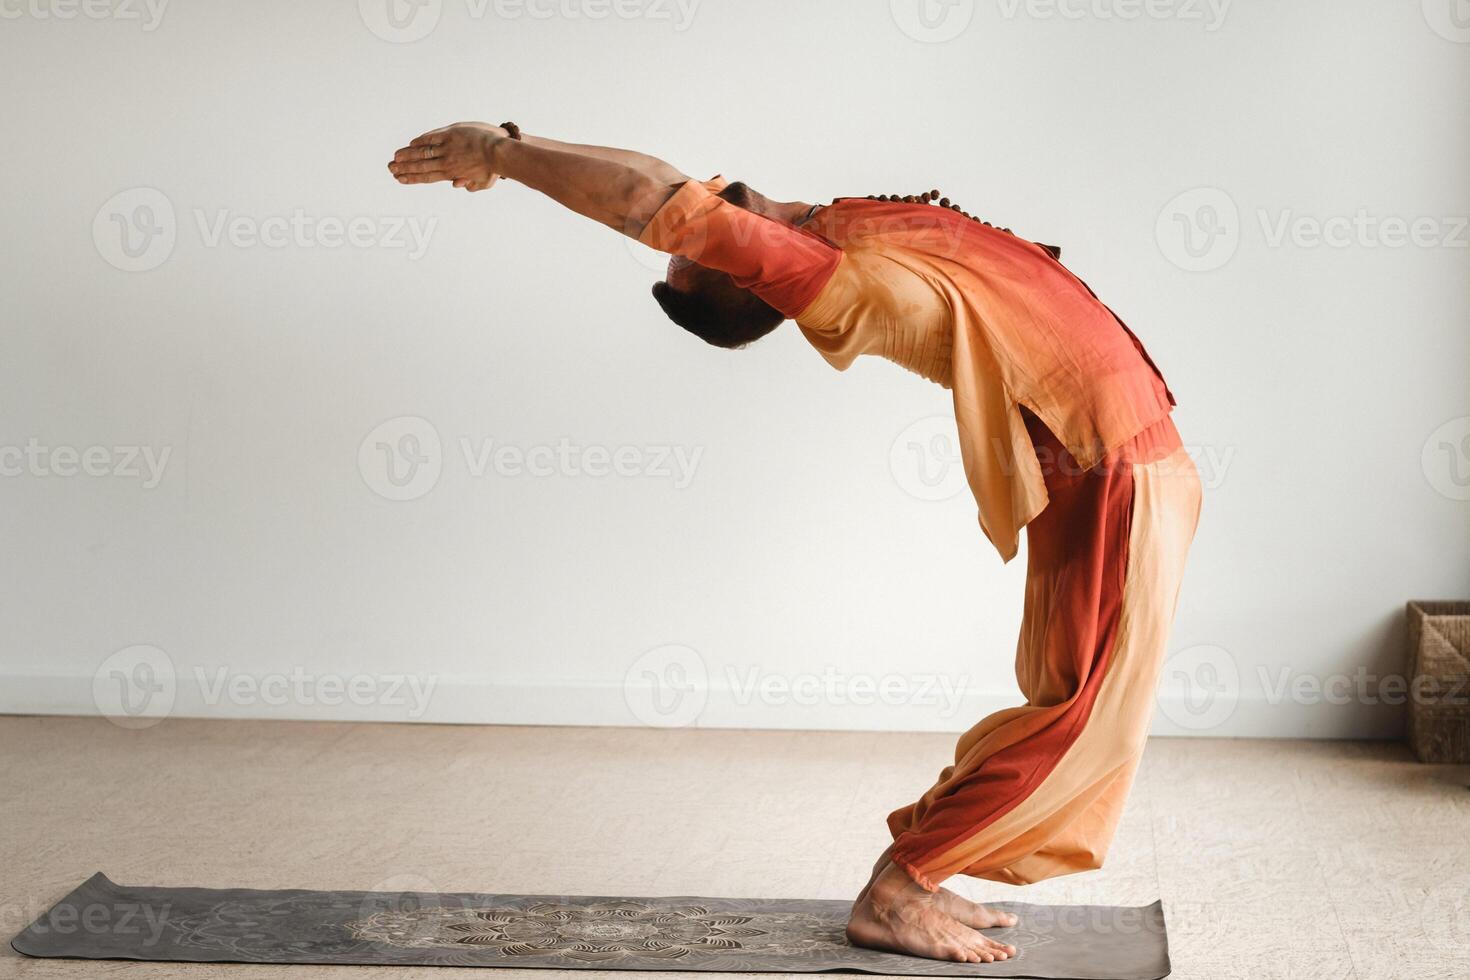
(1274, 859)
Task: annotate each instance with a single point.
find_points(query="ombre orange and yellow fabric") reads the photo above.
(1064, 430)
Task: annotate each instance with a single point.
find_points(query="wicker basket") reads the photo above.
(1439, 669)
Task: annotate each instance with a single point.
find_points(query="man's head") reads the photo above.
(707, 302)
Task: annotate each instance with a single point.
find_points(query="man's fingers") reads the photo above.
(417, 166)
(423, 178)
(432, 136)
(428, 151)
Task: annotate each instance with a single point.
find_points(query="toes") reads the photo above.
(1000, 951)
(969, 954)
(992, 919)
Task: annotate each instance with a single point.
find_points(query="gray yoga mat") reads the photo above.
(101, 920)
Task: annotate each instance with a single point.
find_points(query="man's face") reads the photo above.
(707, 302)
(715, 289)
(687, 276)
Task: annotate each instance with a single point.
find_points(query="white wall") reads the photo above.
(1324, 386)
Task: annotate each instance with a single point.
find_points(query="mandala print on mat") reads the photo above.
(602, 931)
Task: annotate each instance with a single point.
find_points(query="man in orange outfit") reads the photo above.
(1065, 430)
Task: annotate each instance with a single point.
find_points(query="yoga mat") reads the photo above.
(101, 920)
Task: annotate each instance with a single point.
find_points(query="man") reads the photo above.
(1064, 430)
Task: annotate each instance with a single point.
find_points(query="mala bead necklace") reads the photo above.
(933, 197)
(929, 198)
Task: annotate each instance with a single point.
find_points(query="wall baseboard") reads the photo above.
(473, 701)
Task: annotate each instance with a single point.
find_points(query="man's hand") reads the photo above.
(462, 153)
(618, 188)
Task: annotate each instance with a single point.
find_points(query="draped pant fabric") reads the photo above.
(1036, 791)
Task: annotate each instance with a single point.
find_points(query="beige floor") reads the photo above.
(1274, 859)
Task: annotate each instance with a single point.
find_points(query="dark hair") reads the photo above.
(720, 314)
(708, 304)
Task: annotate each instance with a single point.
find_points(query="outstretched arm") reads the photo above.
(622, 189)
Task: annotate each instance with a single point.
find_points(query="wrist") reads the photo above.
(500, 137)
(495, 142)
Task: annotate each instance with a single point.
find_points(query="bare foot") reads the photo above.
(894, 913)
(973, 914)
(969, 913)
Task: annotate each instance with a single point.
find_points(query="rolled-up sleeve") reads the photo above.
(783, 265)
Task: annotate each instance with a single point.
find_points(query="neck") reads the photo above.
(792, 212)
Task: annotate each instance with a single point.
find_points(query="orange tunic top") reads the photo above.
(994, 318)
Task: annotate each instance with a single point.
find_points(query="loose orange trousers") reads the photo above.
(1036, 791)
